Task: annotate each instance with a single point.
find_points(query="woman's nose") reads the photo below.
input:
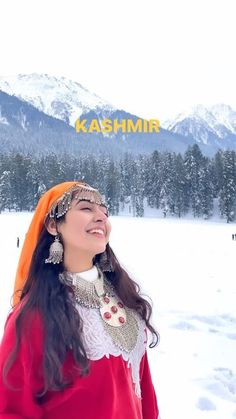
(100, 215)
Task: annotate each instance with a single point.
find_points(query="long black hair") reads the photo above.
(44, 292)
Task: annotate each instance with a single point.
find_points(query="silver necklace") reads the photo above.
(118, 320)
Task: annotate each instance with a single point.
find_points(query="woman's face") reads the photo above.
(76, 230)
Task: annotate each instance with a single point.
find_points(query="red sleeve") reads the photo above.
(25, 374)
(149, 401)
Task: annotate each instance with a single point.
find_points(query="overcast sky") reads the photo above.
(152, 58)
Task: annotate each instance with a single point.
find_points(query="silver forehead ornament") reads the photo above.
(85, 192)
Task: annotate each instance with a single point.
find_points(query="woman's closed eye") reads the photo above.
(91, 210)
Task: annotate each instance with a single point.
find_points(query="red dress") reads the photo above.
(112, 390)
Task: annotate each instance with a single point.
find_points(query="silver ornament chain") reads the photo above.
(89, 294)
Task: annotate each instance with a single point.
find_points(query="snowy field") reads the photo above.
(187, 268)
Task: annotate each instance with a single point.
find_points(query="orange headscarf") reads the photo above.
(31, 238)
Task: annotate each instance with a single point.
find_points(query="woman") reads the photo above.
(74, 345)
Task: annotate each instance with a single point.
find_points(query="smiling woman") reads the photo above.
(75, 343)
(77, 233)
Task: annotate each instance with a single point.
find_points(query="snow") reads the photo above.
(57, 97)
(225, 116)
(219, 119)
(187, 267)
(3, 120)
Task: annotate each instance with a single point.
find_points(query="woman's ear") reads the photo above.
(52, 227)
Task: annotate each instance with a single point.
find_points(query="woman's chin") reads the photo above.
(99, 249)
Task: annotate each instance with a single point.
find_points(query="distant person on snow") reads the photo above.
(75, 343)
(18, 242)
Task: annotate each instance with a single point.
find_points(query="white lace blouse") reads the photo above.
(98, 343)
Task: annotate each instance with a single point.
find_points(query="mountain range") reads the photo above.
(38, 114)
(215, 125)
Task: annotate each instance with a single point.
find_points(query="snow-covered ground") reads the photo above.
(187, 268)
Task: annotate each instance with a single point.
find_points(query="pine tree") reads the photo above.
(153, 179)
(205, 189)
(228, 190)
(5, 191)
(20, 182)
(217, 172)
(112, 188)
(180, 187)
(137, 189)
(167, 193)
(125, 169)
(193, 163)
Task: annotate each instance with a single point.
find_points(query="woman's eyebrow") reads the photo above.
(83, 200)
(88, 201)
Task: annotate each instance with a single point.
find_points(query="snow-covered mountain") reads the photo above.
(58, 97)
(23, 128)
(205, 124)
(211, 128)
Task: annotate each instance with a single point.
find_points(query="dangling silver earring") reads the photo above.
(55, 252)
(104, 263)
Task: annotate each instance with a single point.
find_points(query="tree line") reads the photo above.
(175, 183)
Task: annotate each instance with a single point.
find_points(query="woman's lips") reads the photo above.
(99, 235)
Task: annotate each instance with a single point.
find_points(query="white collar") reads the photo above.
(89, 275)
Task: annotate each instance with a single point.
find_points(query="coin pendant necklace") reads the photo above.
(118, 320)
